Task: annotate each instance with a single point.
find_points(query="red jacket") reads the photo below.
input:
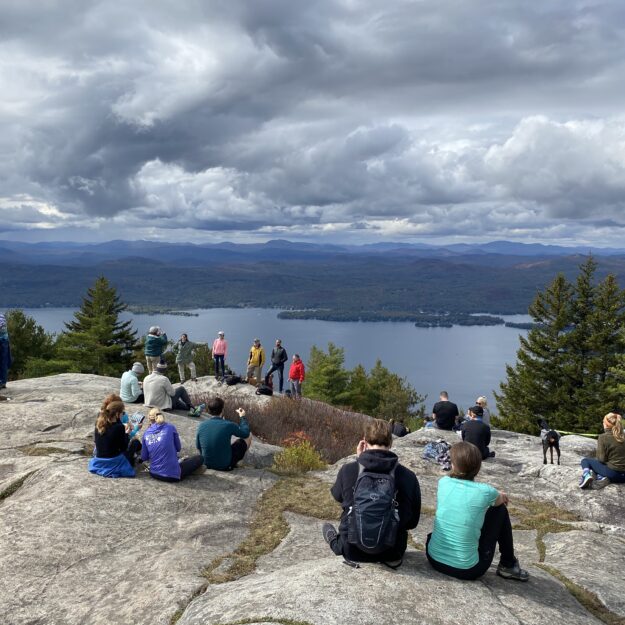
(297, 372)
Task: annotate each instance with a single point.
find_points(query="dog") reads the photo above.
(550, 440)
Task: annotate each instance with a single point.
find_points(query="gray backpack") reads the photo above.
(373, 519)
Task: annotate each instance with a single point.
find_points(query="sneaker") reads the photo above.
(586, 480)
(329, 533)
(513, 572)
(197, 411)
(600, 482)
(393, 564)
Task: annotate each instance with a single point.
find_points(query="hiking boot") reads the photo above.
(586, 480)
(513, 572)
(329, 533)
(600, 482)
(491, 454)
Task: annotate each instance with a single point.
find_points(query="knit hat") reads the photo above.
(137, 367)
(161, 366)
(478, 411)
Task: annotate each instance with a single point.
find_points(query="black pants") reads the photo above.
(497, 529)
(134, 449)
(187, 466)
(280, 369)
(139, 400)
(181, 399)
(341, 547)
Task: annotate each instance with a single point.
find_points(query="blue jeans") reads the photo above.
(5, 361)
(618, 477)
(219, 358)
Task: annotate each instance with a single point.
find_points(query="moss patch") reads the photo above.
(42, 451)
(305, 496)
(14, 486)
(543, 517)
(588, 599)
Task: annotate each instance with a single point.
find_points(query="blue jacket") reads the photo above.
(161, 445)
(155, 345)
(118, 466)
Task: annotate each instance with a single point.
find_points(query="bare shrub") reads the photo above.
(332, 431)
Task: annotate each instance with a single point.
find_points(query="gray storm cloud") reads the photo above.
(361, 119)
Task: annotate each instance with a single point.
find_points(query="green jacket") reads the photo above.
(184, 351)
(611, 452)
(155, 345)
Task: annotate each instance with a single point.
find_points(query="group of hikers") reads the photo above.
(156, 343)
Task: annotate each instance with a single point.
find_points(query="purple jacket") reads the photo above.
(161, 445)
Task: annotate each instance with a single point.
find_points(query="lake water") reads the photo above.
(467, 361)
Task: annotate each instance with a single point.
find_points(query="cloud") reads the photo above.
(329, 119)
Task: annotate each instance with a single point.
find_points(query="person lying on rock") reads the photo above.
(609, 465)
(161, 445)
(471, 519)
(378, 531)
(115, 454)
(213, 438)
(160, 393)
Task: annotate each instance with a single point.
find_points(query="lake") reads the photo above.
(466, 361)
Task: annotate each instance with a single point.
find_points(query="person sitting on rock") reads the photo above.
(214, 435)
(471, 519)
(161, 445)
(130, 387)
(374, 454)
(155, 345)
(477, 432)
(184, 349)
(398, 428)
(115, 454)
(160, 393)
(609, 465)
(444, 413)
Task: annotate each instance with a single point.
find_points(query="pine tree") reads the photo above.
(96, 341)
(326, 378)
(28, 341)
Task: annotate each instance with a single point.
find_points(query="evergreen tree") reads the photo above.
(326, 378)
(96, 341)
(28, 341)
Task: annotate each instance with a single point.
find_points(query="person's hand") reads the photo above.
(128, 428)
(362, 446)
(240, 412)
(504, 498)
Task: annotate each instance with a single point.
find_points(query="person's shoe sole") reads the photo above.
(586, 481)
(517, 577)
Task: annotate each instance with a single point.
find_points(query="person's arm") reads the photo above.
(414, 506)
(502, 498)
(177, 443)
(302, 374)
(337, 488)
(175, 347)
(487, 438)
(135, 389)
(243, 429)
(145, 454)
(169, 389)
(197, 441)
(602, 452)
(463, 431)
(262, 356)
(225, 348)
(285, 356)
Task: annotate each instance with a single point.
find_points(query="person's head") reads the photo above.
(476, 412)
(278, 343)
(183, 338)
(221, 334)
(137, 368)
(109, 399)
(295, 357)
(466, 461)
(256, 342)
(109, 414)
(612, 422)
(161, 368)
(444, 395)
(155, 330)
(156, 416)
(481, 401)
(378, 433)
(215, 406)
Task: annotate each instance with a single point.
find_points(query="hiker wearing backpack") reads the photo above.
(381, 501)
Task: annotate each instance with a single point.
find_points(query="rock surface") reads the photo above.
(76, 548)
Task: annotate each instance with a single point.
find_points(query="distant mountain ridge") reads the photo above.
(382, 280)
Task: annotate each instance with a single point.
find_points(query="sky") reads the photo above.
(330, 121)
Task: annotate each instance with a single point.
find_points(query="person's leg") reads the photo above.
(259, 373)
(239, 449)
(181, 399)
(281, 376)
(250, 371)
(181, 372)
(162, 478)
(134, 448)
(193, 370)
(4, 363)
(139, 400)
(268, 374)
(189, 465)
(297, 387)
(222, 362)
(496, 529)
(592, 464)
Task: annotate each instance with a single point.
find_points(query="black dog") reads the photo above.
(550, 439)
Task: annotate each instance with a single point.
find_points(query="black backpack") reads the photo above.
(373, 519)
(231, 380)
(263, 389)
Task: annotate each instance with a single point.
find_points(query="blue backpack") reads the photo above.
(373, 519)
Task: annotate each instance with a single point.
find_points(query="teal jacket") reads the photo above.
(184, 351)
(213, 441)
(155, 345)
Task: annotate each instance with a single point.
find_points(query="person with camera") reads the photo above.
(155, 345)
(214, 435)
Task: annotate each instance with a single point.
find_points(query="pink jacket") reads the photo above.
(220, 347)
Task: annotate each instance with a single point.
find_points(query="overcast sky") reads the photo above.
(338, 120)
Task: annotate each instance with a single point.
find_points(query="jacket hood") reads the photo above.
(378, 460)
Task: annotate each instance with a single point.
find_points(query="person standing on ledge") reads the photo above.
(444, 412)
(155, 345)
(297, 373)
(184, 357)
(5, 352)
(278, 358)
(256, 361)
(220, 351)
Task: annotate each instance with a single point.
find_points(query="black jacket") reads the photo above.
(478, 433)
(408, 501)
(278, 356)
(112, 442)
